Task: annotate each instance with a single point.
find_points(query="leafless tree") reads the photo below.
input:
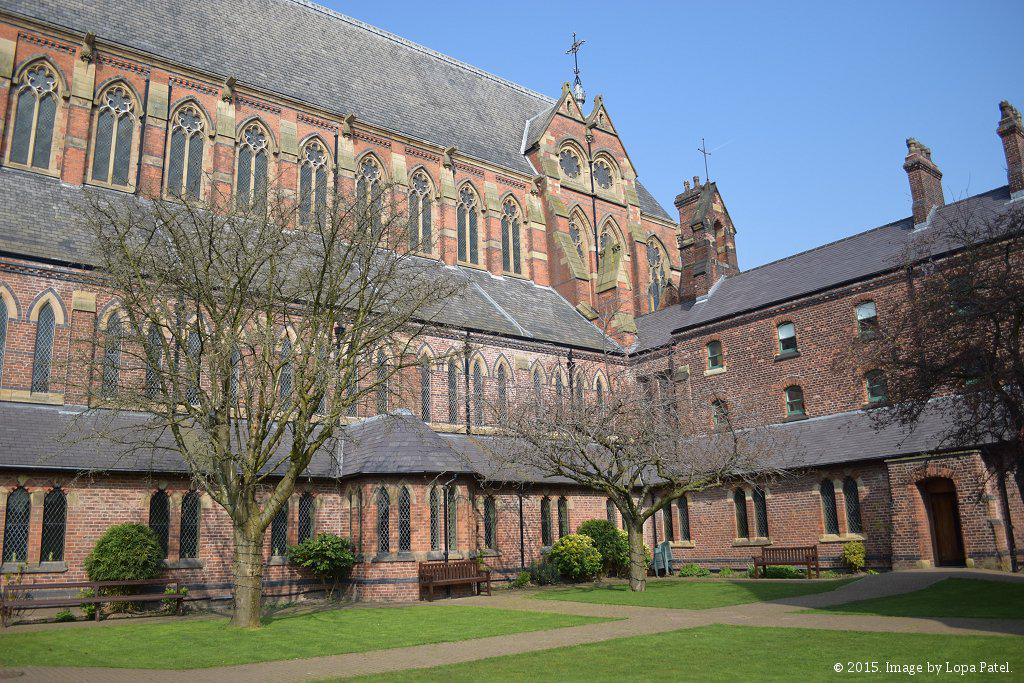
(247, 334)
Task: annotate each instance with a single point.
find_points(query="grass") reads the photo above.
(688, 594)
(947, 598)
(200, 643)
(734, 653)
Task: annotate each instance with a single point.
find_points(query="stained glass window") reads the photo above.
(34, 118)
(657, 272)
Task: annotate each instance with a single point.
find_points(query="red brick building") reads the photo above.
(156, 99)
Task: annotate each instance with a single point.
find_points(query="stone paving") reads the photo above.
(631, 621)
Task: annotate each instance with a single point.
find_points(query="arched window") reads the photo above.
(604, 176)
(576, 234)
(787, 338)
(608, 240)
(453, 391)
(314, 182)
(42, 358)
(666, 513)
(683, 506)
(383, 521)
(236, 378)
(194, 354)
(286, 378)
(404, 521)
(188, 533)
(111, 356)
(420, 237)
(35, 115)
(609, 512)
(253, 167)
(490, 524)
(563, 517)
(761, 512)
(18, 513)
(381, 393)
(185, 153)
(599, 391)
(739, 500)
(451, 495)
(425, 388)
(468, 231)
(511, 260)
(113, 138)
(569, 162)
(657, 270)
(559, 390)
(852, 496)
(3, 333)
(716, 360)
(828, 507)
(545, 521)
(369, 193)
(867, 319)
(435, 519)
(154, 362)
(160, 519)
(719, 413)
(478, 394)
(876, 386)
(279, 531)
(55, 517)
(502, 389)
(307, 517)
(795, 402)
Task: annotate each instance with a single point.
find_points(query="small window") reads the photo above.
(852, 495)
(828, 507)
(545, 522)
(666, 513)
(716, 360)
(683, 506)
(867, 319)
(404, 521)
(787, 338)
(383, 521)
(16, 519)
(569, 162)
(502, 387)
(307, 517)
(279, 532)
(719, 413)
(563, 517)
(188, 535)
(425, 389)
(795, 402)
(453, 392)
(490, 524)
(739, 500)
(55, 512)
(42, 359)
(435, 519)
(876, 386)
(160, 519)
(761, 512)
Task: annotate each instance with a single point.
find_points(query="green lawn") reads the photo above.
(947, 598)
(210, 642)
(684, 594)
(736, 653)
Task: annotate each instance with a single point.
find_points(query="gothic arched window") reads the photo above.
(545, 521)
(739, 500)
(578, 240)
(188, 532)
(381, 392)
(154, 362)
(435, 519)
(425, 389)
(563, 517)
(383, 521)
(559, 390)
(828, 507)
(35, 115)
(369, 195)
(761, 511)
(3, 333)
(42, 358)
(478, 395)
(113, 138)
(55, 518)
(490, 524)
(468, 231)
(253, 167)
(511, 260)
(314, 178)
(404, 521)
(420, 237)
(795, 402)
(502, 389)
(112, 356)
(569, 162)
(307, 517)
(160, 519)
(599, 391)
(16, 518)
(279, 531)
(185, 153)
(852, 495)
(657, 269)
(453, 392)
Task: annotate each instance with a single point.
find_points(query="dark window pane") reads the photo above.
(16, 521)
(176, 162)
(195, 165)
(188, 535)
(425, 389)
(666, 513)
(563, 517)
(244, 176)
(490, 524)
(44, 131)
(453, 392)
(55, 510)
(160, 518)
(123, 151)
(545, 521)
(828, 507)
(43, 356)
(404, 521)
(761, 512)
(383, 522)
(104, 138)
(3, 333)
(852, 496)
(23, 126)
(683, 505)
(740, 501)
(307, 517)
(279, 531)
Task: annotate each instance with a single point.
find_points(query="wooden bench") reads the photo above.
(10, 600)
(803, 556)
(454, 573)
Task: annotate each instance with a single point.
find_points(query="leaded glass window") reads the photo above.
(490, 524)
(3, 333)
(369, 194)
(16, 519)
(787, 338)
(314, 178)
(599, 392)
(115, 131)
(716, 360)
(478, 395)
(683, 507)
(381, 392)
(666, 513)
(453, 392)
(467, 216)
(279, 531)
(569, 163)
(253, 169)
(511, 259)
(851, 494)
(112, 356)
(609, 511)
(795, 401)
(876, 386)
(383, 521)
(435, 519)
(425, 389)
(160, 519)
(453, 516)
(502, 387)
(761, 512)
(55, 516)
(194, 352)
(404, 521)
(739, 500)
(154, 362)
(307, 517)
(563, 517)
(719, 413)
(236, 374)
(42, 359)
(286, 380)
(545, 521)
(188, 534)
(35, 115)
(658, 274)
(828, 507)
(420, 237)
(603, 174)
(185, 156)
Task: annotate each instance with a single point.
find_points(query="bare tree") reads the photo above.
(247, 333)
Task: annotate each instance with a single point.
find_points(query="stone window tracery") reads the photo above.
(511, 260)
(253, 167)
(113, 138)
(468, 230)
(658, 274)
(314, 182)
(370, 193)
(569, 162)
(35, 116)
(185, 154)
(420, 229)
(603, 174)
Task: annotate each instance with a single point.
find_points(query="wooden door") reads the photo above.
(946, 529)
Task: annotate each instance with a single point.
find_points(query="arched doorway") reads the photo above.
(939, 495)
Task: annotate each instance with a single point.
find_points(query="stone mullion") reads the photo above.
(174, 527)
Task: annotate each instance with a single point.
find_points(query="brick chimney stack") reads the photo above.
(925, 180)
(1012, 133)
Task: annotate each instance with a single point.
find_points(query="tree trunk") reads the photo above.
(637, 559)
(248, 570)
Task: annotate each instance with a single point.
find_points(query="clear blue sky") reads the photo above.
(806, 106)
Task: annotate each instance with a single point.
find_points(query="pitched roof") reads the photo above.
(312, 54)
(830, 265)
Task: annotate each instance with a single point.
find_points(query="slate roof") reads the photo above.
(846, 260)
(315, 55)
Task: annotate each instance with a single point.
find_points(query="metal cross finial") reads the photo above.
(574, 50)
(703, 150)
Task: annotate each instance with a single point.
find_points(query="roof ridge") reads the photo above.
(420, 48)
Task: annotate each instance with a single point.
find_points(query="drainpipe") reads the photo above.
(522, 533)
(593, 199)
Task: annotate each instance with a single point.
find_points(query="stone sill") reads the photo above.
(40, 568)
(22, 396)
(681, 544)
(277, 560)
(398, 557)
(714, 371)
(452, 555)
(843, 538)
(795, 418)
(486, 552)
(786, 355)
(188, 563)
(751, 542)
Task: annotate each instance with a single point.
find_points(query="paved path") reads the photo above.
(632, 621)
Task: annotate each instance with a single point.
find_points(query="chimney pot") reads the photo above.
(686, 186)
(1011, 131)
(925, 180)
(696, 181)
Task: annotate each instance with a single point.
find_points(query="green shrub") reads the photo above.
(326, 556)
(125, 552)
(171, 603)
(522, 580)
(854, 556)
(64, 615)
(780, 572)
(88, 609)
(575, 557)
(725, 572)
(612, 543)
(544, 573)
(691, 569)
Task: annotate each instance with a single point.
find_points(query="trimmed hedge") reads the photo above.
(575, 557)
(125, 552)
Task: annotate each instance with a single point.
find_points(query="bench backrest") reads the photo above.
(443, 571)
(10, 588)
(799, 554)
